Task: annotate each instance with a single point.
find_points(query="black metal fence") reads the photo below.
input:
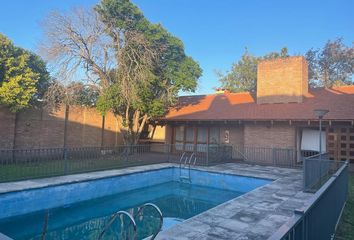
(278, 157)
(23, 164)
(319, 219)
(317, 170)
(36, 163)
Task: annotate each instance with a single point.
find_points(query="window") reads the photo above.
(202, 134)
(190, 138)
(179, 137)
(202, 137)
(189, 146)
(214, 135)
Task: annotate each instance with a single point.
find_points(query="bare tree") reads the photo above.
(122, 60)
(76, 42)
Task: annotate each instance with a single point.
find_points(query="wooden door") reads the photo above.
(340, 143)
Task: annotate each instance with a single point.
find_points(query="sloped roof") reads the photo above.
(242, 106)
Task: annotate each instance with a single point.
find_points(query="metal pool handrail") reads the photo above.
(181, 158)
(140, 209)
(195, 160)
(113, 218)
(190, 159)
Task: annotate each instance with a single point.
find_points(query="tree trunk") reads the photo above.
(132, 132)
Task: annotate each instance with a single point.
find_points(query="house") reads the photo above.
(280, 115)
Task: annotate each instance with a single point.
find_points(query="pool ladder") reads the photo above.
(132, 221)
(187, 161)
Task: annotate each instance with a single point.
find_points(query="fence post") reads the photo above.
(207, 156)
(304, 162)
(126, 150)
(273, 157)
(168, 151)
(303, 223)
(65, 160)
(288, 157)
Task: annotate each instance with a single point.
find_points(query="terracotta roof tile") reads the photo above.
(242, 106)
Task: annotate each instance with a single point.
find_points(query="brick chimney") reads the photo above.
(282, 80)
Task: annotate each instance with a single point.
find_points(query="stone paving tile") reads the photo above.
(249, 216)
(253, 216)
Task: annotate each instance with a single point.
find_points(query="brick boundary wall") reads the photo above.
(39, 128)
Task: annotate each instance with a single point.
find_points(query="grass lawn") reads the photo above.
(39, 169)
(346, 225)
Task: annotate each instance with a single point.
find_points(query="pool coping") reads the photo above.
(206, 224)
(25, 185)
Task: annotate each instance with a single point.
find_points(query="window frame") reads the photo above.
(195, 141)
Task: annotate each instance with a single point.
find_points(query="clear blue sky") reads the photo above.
(215, 32)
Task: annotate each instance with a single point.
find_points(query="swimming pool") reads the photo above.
(81, 210)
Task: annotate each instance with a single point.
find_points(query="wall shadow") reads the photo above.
(39, 128)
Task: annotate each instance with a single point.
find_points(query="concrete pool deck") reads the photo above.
(254, 215)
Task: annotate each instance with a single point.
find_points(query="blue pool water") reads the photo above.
(81, 210)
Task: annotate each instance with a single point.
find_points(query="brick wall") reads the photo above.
(270, 137)
(38, 128)
(236, 135)
(282, 80)
(7, 128)
(112, 134)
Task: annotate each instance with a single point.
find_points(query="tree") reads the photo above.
(23, 76)
(332, 65)
(169, 72)
(273, 55)
(74, 93)
(243, 74)
(137, 67)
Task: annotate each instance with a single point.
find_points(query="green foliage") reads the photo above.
(273, 55)
(86, 95)
(121, 13)
(171, 71)
(23, 76)
(345, 228)
(332, 65)
(109, 100)
(243, 74)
